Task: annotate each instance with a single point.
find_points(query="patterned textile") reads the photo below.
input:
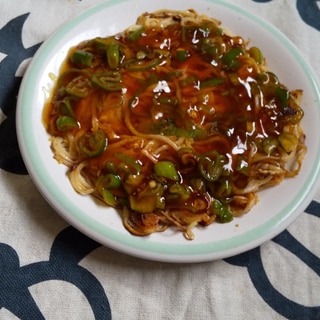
(49, 270)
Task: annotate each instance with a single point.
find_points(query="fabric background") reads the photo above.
(48, 270)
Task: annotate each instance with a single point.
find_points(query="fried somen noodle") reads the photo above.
(175, 122)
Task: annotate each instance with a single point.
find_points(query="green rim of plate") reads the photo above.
(145, 247)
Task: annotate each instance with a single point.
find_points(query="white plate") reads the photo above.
(278, 206)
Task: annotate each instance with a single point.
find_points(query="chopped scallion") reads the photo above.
(167, 170)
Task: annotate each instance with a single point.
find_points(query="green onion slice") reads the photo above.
(109, 181)
(132, 163)
(65, 123)
(211, 82)
(109, 80)
(167, 170)
(256, 54)
(222, 212)
(136, 34)
(141, 65)
(78, 87)
(229, 59)
(82, 58)
(113, 55)
(93, 144)
(211, 169)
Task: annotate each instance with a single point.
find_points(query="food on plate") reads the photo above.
(174, 121)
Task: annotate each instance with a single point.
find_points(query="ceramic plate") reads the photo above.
(278, 206)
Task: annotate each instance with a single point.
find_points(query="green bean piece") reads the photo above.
(256, 54)
(229, 59)
(136, 34)
(78, 87)
(93, 144)
(82, 58)
(222, 212)
(113, 55)
(66, 123)
(109, 81)
(167, 170)
(133, 165)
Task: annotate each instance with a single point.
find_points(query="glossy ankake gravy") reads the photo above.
(173, 121)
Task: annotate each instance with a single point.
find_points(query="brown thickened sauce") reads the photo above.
(194, 84)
